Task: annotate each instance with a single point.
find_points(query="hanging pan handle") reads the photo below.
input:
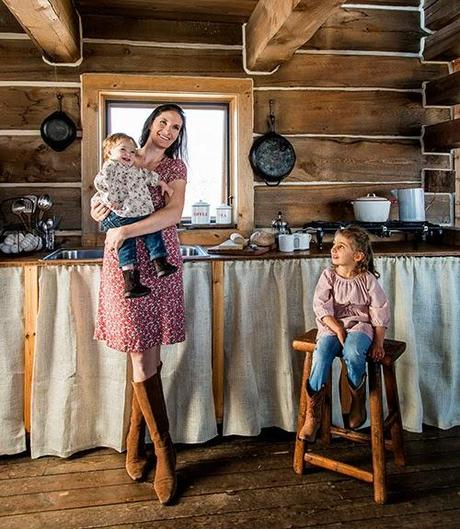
(271, 116)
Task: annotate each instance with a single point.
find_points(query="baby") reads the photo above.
(123, 188)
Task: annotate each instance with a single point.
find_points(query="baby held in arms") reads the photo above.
(123, 187)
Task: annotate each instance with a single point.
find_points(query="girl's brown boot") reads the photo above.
(315, 400)
(358, 413)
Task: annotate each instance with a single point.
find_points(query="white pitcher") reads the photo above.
(411, 204)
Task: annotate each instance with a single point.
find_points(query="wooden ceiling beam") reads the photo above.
(52, 25)
(440, 13)
(442, 137)
(444, 91)
(277, 28)
(444, 44)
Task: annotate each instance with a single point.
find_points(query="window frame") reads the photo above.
(225, 186)
(98, 89)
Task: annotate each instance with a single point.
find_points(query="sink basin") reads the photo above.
(75, 255)
(192, 251)
(84, 254)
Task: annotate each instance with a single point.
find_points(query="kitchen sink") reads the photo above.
(81, 254)
(85, 254)
(188, 250)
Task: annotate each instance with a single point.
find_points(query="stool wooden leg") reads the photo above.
(299, 451)
(396, 429)
(377, 433)
(326, 417)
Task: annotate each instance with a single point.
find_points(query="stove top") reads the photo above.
(422, 230)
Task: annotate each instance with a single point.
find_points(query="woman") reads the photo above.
(138, 327)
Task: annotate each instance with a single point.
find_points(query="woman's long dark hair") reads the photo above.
(361, 241)
(179, 148)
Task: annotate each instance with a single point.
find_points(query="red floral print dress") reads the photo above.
(135, 325)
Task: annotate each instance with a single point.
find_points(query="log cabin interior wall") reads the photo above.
(350, 100)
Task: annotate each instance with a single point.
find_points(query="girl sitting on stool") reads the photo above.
(352, 313)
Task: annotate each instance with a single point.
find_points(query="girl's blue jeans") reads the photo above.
(353, 352)
(127, 253)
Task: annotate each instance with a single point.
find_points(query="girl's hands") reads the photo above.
(376, 350)
(341, 335)
(98, 211)
(336, 327)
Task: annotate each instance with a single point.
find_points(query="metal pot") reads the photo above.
(58, 130)
(272, 156)
(371, 208)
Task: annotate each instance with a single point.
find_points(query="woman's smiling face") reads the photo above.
(165, 129)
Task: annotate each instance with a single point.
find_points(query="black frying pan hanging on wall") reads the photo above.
(58, 130)
(272, 156)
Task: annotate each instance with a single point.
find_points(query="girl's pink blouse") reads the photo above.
(358, 302)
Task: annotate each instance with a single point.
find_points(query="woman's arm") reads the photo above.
(162, 218)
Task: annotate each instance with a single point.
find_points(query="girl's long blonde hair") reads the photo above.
(361, 242)
(109, 143)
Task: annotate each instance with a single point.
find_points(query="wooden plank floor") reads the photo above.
(236, 483)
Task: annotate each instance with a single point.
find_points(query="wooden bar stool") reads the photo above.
(384, 435)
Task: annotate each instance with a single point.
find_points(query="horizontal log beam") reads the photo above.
(52, 25)
(440, 13)
(444, 91)
(276, 29)
(444, 44)
(442, 137)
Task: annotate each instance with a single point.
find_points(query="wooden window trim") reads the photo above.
(237, 93)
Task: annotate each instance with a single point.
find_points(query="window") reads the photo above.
(233, 95)
(207, 146)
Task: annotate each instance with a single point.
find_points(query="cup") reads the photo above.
(286, 242)
(301, 241)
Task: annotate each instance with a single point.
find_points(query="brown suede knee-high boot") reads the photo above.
(150, 396)
(136, 460)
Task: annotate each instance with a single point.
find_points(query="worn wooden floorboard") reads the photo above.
(235, 483)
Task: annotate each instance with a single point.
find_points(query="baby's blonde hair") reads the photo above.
(361, 242)
(109, 143)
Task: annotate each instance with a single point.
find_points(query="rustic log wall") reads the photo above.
(350, 101)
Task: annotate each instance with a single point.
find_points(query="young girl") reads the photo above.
(123, 188)
(352, 314)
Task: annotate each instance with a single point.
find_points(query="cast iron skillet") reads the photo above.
(272, 156)
(58, 130)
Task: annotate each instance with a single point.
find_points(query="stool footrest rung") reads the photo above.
(390, 420)
(357, 437)
(338, 466)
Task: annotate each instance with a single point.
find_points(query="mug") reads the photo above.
(286, 242)
(302, 241)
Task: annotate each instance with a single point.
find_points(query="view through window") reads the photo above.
(207, 146)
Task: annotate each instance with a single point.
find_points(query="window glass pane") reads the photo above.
(207, 140)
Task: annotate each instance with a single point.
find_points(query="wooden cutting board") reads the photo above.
(216, 250)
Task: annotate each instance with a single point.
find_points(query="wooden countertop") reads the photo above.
(383, 249)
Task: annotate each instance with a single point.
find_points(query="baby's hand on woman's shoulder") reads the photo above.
(166, 188)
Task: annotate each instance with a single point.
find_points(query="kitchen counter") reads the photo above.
(237, 366)
(384, 249)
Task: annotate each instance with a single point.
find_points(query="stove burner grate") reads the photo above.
(423, 230)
